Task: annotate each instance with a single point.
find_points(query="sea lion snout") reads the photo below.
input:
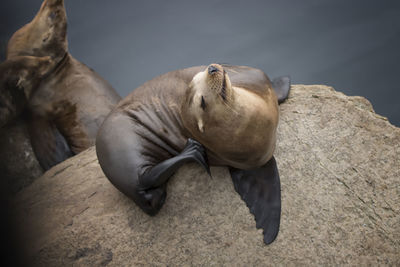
(208, 89)
(217, 79)
(212, 69)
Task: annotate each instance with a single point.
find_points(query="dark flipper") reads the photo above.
(152, 184)
(281, 86)
(159, 174)
(49, 145)
(260, 189)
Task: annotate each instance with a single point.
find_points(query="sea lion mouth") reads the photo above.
(215, 71)
(212, 69)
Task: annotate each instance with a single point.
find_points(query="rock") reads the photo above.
(339, 164)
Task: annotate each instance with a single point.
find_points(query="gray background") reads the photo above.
(353, 46)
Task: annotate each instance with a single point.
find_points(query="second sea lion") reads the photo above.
(65, 110)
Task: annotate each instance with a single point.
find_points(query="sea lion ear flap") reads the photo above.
(261, 190)
(281, 86)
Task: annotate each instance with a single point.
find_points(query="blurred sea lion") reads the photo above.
(65, 109)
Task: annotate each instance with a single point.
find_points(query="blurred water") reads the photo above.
(350, 45)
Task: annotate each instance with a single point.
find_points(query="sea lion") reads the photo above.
(215, 115)
(65, 110)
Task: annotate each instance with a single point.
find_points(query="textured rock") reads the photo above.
(340, 173)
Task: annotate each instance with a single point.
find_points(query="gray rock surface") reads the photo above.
(340, 173)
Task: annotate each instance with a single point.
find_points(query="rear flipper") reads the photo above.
(49, 145)
(260, 189)
(159, 174)
(281, 86)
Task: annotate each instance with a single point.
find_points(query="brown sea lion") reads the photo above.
(64, 111)
(215, 115)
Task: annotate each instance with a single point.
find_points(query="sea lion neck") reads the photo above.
(64, 61)
(57, 73)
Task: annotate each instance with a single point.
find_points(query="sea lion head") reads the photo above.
(236, 125)
(210, 94)
(45, 35)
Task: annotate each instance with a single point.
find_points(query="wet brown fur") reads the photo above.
(71, 97)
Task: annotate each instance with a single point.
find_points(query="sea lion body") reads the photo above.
(158, 108)
(65, 110)
(225, 117)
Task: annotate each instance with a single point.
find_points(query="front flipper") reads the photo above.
(159, 174)
(281, 86)
(261, 190)
(151, 191)
(49, 145)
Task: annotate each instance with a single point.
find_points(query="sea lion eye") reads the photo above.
(203, 103)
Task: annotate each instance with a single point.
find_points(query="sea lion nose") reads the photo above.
(212, 69)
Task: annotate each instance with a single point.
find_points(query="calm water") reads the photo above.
(353, 46)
